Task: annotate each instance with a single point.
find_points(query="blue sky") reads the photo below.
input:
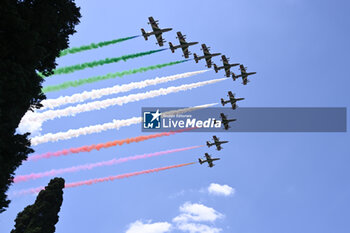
(283, 182)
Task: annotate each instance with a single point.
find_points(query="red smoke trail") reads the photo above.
(104, 179)
(103, 145)
(55, 172)
(127, 175)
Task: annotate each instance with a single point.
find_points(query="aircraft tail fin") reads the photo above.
(216, 68)
(200, 161)
(144, 34)
(195, 57)
(208, 144)
(222, 102)
(171, 47)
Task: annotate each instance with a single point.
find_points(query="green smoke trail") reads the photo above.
(80, 82)
(71, 69)
(94, 46)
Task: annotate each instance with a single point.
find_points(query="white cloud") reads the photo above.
(189, 220)
(157, 227)
(220, 190)
(197, 213)
(200, 228)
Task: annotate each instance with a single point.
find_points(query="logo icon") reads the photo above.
(151, 120)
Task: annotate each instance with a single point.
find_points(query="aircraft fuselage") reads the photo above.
(228, 66)
(160, 31)
(189, 44)
(185, 45)
(209, 56)
(234, 100)
(221, 142)
(250, 73)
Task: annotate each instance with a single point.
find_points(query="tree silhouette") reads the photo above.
(42, 216)
(32, 34)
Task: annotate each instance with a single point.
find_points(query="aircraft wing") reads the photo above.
(231, 95)
(207, 156)
(159, 39)
(215, 139)
(224, 121)
(208, 61)
(223, 118)
(226, 125)
(186, 52)
(154, 24)
(243, 70)
(218, 147)
(181, 38)
(234, 105)
(224, 60)
(227, 71)
(205, 50)
(245, 79)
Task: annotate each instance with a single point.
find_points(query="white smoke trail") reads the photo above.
(115, 124)
(28, 120)
(98, 93)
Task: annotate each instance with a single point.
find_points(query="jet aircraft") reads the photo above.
(208, 159)
(183, 45)
(207, 55)
(216, 142)
(232, 100)
(156, 31)
(225, 121)
(226, 65)
(244, 74)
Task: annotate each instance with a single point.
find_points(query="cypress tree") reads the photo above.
(42, 216)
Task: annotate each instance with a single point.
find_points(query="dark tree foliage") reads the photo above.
(32, 33)
(42, 216)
